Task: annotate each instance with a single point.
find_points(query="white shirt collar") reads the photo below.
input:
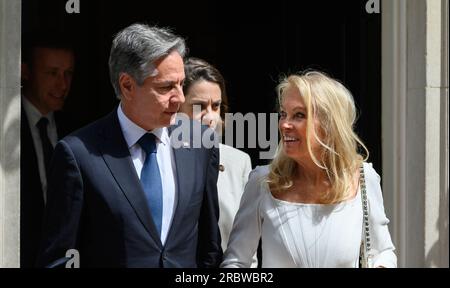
(33, 113)
(132, 132)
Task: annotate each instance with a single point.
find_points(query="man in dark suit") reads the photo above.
(120, 193)
(47, 68)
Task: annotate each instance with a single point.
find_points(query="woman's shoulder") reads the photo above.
(256, 186)
(370, 174)
(373, 187)
(260, 172)
(257, 178)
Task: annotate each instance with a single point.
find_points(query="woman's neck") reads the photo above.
(309, 172)
(309, 184)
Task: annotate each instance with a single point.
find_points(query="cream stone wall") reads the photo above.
(10, 15)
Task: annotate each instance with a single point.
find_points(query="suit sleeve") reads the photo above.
(209, 241)
(246, 232)
(245, 178)
(63, 210)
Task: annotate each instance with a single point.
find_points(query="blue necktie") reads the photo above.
(151, 179)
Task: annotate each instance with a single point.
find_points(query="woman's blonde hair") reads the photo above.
(329, 102)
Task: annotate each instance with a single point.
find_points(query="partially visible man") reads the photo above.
(47, 69)
(119, 193)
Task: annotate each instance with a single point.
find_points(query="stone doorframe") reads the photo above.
(10, 32)
(415, 129)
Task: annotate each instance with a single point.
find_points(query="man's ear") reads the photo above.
(24, 72)
(127, 86)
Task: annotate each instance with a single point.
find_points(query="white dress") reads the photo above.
(307, 235)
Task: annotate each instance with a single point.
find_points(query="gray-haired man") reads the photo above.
(121, 195)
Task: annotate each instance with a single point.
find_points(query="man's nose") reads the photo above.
(62, 82)
(180, 95)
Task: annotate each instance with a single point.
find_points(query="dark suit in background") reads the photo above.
(32, 203)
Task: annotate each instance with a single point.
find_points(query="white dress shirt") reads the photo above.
(34, 116)
(307, 235)
(166, 162)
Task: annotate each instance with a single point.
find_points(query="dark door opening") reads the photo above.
(252, 46)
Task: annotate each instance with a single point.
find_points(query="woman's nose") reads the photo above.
(285, 124)
(211, 119)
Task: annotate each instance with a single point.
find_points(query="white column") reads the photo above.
(444, 156)
(413, 137)
(393, 71)
(434, 256)
(10, 31)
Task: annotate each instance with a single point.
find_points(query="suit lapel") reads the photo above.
(29, 165)
(185, 166)
(117, 157)
(185, 170)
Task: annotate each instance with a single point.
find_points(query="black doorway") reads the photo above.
(251, 45)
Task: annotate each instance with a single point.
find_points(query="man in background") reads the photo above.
(47, 70)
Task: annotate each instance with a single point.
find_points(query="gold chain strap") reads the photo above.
(365, 245)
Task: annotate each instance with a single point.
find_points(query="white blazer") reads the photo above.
(235, 166)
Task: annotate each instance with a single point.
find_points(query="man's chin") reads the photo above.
(173, 119)
(57, 107)
(57, 103)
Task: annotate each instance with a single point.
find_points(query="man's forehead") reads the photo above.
(51, 51)
(53, 56)
(166, 76)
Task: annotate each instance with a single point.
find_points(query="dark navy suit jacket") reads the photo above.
(96, 205)
(31, 194)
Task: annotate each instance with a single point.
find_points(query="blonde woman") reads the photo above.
(306, 205)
